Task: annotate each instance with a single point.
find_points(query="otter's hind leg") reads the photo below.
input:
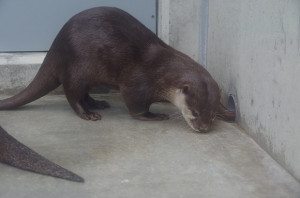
(95, 104)
(75, 93)
(139, 108)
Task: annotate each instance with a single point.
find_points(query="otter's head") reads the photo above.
(198, 103)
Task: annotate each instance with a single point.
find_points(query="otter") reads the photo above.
(108, 46)
(14, 153)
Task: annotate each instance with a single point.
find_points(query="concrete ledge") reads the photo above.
(26, 58)
(18, 69)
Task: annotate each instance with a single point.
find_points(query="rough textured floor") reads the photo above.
(122, 157)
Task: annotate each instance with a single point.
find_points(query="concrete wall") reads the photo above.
(182, 24)
(254, 53)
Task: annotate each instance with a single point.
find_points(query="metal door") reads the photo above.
(31, 25)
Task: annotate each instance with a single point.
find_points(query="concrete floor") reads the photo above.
(122, 157)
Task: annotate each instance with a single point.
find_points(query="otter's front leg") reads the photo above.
(75, 96)
(138, 107)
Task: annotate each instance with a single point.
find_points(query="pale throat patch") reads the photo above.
(178, 98)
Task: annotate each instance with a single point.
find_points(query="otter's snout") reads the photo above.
(199, 126)
(204, 129)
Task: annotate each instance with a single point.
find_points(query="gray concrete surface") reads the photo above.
(17, 70)
(254, 53)
(183, 25)
(122, 157)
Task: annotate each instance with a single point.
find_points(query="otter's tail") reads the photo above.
(45, 81)
(16, 154)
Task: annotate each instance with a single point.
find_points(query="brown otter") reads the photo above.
(107, 46)
(16, 154)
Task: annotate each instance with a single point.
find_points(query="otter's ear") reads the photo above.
(185, 89)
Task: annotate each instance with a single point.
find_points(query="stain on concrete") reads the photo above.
(252, 102)
(299, 35)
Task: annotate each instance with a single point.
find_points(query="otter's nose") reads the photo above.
(204, 129)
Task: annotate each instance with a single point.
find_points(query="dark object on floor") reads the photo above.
(228, 115)
(14, 153)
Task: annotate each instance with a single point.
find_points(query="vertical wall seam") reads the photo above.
(203, 33)
(163, 26)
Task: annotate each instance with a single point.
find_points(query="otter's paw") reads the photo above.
(94, 116)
